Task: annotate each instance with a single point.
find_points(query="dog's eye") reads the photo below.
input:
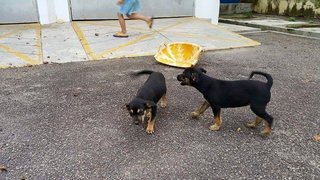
(140, 112)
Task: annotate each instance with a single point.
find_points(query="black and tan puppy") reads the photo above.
(228, 94)
(144, 105)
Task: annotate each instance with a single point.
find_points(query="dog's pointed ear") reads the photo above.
(149, 104)
(195, 77)
(203, 70)
(127, 106)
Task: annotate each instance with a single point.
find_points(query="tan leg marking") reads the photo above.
(204, 106)
(266, 130)
(150, 127)
(147, 114)
(217, 123)
(163, 101)
(255, 123)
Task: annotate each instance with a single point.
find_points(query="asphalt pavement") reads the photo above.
(68, 121)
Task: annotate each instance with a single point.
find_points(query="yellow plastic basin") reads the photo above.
(178, 54)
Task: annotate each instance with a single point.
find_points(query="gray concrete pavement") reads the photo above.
(67, 121)
(277, 23)
(32, 44)
(60, 44)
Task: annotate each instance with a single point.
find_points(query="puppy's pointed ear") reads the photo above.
(203, 70)
(195, 77)
(149, 104)
(127, 106)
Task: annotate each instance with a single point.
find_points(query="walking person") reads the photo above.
(130, 8)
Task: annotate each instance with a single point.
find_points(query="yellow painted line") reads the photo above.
(38, 43)
(21, 55)
(4, 66)
(141, 54)
(84, 41)
(24, 27)
(234, 47)
(176, 24)
(132, 55)
(18, 54)
(10, 33)
(101, 55)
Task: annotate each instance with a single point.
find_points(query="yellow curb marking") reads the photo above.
(4, 66)
(38, 43)
(199, 36)
(132, 55)
(10, 33)
(83, 41)
(22, 55)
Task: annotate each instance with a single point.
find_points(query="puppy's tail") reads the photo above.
(144, 72)
(268, 76)
(135, 74)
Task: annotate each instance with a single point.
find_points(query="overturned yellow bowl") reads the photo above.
(178, 54)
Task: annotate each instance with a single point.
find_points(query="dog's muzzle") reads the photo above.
(184, 81)
(138, 119)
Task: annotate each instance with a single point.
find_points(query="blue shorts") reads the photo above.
(129, 7)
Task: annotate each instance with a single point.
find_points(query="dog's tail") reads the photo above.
(144, 72)
(268, 76)
(141, 72)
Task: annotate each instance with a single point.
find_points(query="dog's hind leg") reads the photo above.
(204, 106)
(260, 110)
(217, 119)
(255, 123)
(163, 101)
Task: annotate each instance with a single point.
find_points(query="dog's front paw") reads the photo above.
(163, 105)
(265, 133)
(195, 114)
(150, 130)
(255, 123)
(214, 127)
(251, 125)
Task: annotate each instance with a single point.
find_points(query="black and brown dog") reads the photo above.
(228, 94)
(144, 105)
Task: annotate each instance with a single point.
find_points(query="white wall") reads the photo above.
(62, 10)
(207, 9)
(52, 11)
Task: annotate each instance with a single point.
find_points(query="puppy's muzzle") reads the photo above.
(138, 119)
(184, 80)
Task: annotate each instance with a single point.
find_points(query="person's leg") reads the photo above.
(138, 16)
(122, 23)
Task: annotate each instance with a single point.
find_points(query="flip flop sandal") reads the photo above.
(120, 35)
(150, 23)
